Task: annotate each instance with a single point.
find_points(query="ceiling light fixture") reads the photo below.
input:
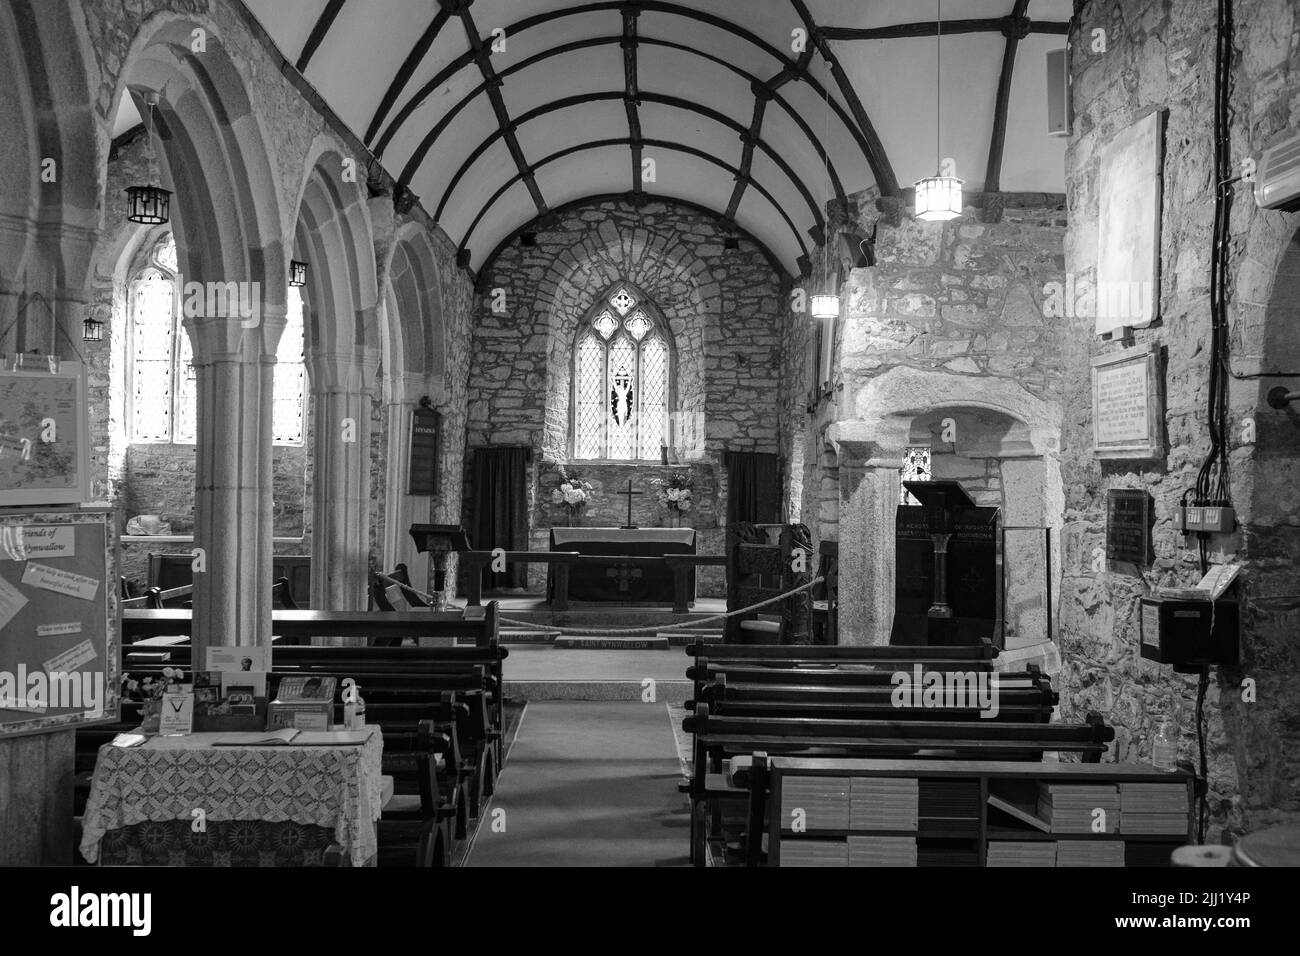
(938, 198)
(297, 273)
(148, 205)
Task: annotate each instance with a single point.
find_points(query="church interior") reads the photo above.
(499, 433)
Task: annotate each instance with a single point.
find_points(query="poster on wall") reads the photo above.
(44, 443)
(1126, 404)
(1128, 228)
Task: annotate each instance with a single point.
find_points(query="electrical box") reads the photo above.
(1190, 633)
(1277, 178)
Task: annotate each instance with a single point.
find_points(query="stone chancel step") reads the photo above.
(612, 642)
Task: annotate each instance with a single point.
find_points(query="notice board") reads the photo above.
(58, 621)
(44, 441)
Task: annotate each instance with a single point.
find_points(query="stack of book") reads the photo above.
(882, 851)
(1154, 807)
(1019, 853)
(815, 803)
(814, 853)
(1090, 853)
(883, 803)
(1072, 808)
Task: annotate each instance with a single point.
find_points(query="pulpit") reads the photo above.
(439, 540)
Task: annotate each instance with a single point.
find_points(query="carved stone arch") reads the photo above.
(670, 275)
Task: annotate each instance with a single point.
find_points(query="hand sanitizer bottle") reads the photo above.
(1164, 748)
(354, 707)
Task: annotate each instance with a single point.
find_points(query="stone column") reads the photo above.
(342, 390)
(234, 370)
(869, 493)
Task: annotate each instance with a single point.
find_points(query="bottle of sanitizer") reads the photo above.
(1164, 748)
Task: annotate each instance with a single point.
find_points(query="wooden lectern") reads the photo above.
(439, 540)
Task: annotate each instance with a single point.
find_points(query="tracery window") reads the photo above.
(621, 382)
(162, 392)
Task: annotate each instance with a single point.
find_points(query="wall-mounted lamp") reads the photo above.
(92, 330)
(297, 273)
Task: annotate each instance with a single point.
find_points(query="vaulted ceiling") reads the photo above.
(712, 90)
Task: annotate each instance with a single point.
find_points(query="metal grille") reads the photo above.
(152, 343)
(590, 411)
(622, 398)
(654, 395)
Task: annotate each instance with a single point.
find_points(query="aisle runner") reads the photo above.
(588, 783)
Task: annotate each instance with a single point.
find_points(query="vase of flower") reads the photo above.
(573, 494)
(674, 492)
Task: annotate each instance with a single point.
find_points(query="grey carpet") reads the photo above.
(588, 784)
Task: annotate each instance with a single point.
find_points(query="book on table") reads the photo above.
(292, 736)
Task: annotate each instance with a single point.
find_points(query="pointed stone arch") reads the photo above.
(211, 151)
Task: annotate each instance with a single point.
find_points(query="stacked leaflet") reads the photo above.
(1090, 853)
(882, 851)
(1021, 853)
(1072, 808)
(1154, 807)
(883, 803)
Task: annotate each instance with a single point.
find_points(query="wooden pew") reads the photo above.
(717, 738)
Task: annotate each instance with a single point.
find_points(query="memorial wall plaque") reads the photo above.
(1126, 405)
(1128, 526)
(426, 429)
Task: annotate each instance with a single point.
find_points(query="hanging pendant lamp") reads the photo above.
(938, 197)
(148, 205)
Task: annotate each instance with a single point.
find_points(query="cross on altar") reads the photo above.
(629, 526)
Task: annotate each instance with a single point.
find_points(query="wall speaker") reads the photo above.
(1060, 112)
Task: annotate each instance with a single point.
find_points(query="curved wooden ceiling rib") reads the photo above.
(627, 141)
(582, 98)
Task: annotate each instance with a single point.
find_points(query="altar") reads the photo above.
(623, 583)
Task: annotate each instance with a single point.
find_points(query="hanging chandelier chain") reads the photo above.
(938, 86)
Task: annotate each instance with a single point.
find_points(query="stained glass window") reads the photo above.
(621, 383)
(916, 467)
(163, 390)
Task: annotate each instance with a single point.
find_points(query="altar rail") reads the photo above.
(679, 564)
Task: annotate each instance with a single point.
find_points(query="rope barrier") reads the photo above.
(653, 629)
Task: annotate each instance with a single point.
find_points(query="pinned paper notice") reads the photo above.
(12, 546)
(11, 602)
(49, 541)
(60, 581)
(71, 659)
(56, 630)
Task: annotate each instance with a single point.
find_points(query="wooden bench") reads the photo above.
(717, 738)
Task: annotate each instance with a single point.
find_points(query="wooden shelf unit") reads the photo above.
(1004, 779)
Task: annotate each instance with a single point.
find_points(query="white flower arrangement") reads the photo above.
(674, 492)
(573, 492)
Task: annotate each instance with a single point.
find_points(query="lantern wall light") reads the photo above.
(297, 273)
(92, 330)
(148, 205)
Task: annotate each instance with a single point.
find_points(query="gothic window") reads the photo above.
(621, 369)
(162, 389)
(916, 467)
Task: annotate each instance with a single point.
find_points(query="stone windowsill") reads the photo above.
(185, 539)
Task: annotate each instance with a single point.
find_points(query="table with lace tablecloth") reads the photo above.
(181, 800)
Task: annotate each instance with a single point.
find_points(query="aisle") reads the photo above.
(588, 783)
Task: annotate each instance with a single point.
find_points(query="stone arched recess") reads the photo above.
(52, 152)
(414, 357)
(870, 449)
(681, 288)
(333, 236)
(1265, 478)
(211, 152)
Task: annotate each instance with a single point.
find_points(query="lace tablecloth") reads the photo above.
(168, 778)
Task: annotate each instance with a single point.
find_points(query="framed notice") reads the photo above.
(1126, 404)
(1128, 227)
(1128, 526)
(44, 442)
(425, 445)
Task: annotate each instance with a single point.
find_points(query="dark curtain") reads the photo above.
(501, 510)
(753, 488)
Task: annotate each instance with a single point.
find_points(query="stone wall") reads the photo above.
(1160, 56)
(948, 324)
(726, 309)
